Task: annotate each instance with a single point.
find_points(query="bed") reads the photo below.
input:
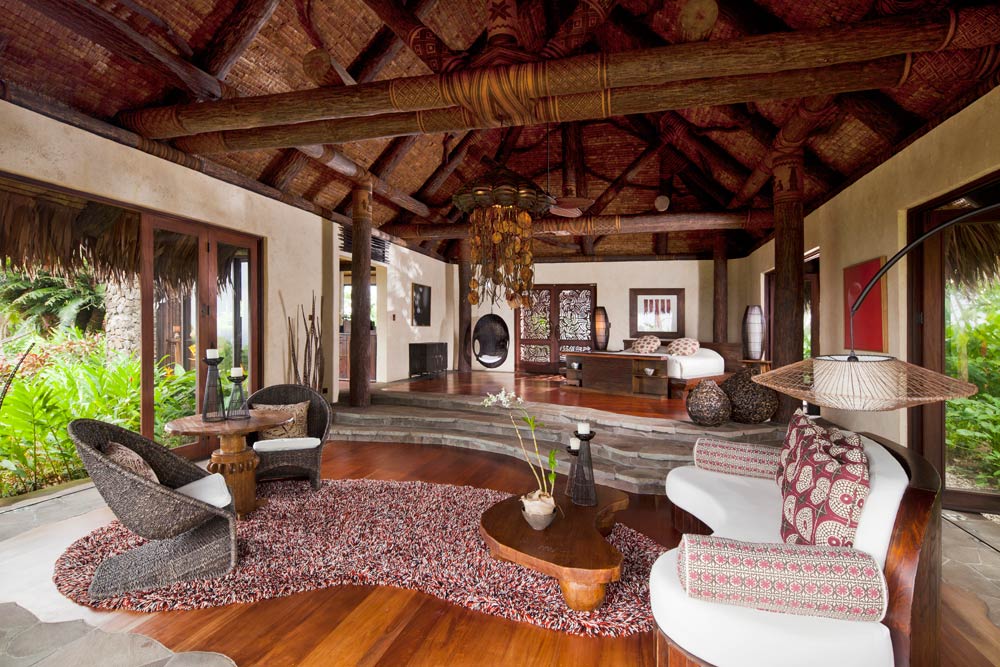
(627, 372)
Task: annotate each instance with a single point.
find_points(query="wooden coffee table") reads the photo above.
(572, 549)
(237, 462)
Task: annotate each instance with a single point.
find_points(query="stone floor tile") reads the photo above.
(114, 649)
(200, 659)
(44, 638)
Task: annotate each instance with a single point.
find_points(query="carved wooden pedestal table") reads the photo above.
(572, 549)
(233, 459)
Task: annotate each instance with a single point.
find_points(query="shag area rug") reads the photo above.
(412, 535)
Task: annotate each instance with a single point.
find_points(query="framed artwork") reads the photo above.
(421, 298)
(656, 312)
(871, 331)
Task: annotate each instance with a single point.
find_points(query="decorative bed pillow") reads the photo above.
(800, 427)
(646, 345)
(129, 460)
(736, 458)
(838, 583)
(824, 493)
(293, 429)
(683, 347)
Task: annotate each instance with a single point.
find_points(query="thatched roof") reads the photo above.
(710, 155)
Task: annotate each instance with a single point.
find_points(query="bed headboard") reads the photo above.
(731, 352)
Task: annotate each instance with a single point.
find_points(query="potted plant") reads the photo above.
(539, 506)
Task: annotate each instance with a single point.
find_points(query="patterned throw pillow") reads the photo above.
(822, 581)
(646, 345)
(824, 492)
(293, 429)
(800, 427)
(683, 347)
(736, 458)
(129, 460)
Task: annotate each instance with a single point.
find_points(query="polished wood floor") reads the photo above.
(544, 389)
(384, 626)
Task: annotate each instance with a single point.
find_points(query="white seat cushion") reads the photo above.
(702, 363)
(285, 444)
(888, 483)
(740, 508)
(211, 490)
(730, 636)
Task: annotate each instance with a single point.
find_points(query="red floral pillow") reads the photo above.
(800, 429)
(824, 491)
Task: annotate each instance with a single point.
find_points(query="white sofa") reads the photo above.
(749, 509)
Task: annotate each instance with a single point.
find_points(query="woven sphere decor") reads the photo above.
(871, 383)
(708, 405)
(752, 403)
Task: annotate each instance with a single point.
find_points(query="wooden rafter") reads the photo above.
(235, 34)
(597, 225)
(771, 55)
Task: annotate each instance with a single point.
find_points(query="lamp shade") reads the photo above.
(869, 382)
(754, 329)
(602, 328)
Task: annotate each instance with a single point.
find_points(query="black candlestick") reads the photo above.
(584, 493)
(213, 403)
(575, 453)
(238, 409)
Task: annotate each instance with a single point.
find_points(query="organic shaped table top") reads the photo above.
(259, 420)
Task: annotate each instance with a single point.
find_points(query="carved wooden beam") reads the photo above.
(284, 168)
(104, 28)
(233, 37)
(383, 48)
(355, 173)
(604, 225)
(810, 113)
(323, 70)
(884, 73)
(577, 29)
(408, 27)
(764, 54)
(726, 170)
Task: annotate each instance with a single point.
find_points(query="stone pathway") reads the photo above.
(24, 641)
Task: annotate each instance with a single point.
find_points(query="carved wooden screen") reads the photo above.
(556, 320)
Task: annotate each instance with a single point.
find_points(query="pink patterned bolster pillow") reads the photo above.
(736, 458)
(833, 582)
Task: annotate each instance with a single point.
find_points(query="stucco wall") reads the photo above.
(613, 280)
(46, 150)
(867, 220)
(404, 269)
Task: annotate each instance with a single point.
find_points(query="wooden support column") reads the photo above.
(361, 268)
(720, 320)
(789, 248)
(464, 307)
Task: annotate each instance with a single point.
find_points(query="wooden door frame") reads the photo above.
(554, 339)
(925, 341)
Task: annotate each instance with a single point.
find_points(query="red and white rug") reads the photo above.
(412, 535)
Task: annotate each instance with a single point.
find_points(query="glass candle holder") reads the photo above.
(213, 402)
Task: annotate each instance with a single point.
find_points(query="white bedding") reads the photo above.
(702, 363)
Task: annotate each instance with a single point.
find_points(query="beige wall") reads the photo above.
(40, 148)
(868, 220)
(613, 280)
(404, 269)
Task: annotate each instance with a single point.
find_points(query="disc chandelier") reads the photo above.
(501, 207)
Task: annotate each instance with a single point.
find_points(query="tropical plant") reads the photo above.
(544, 494)
(44, 302)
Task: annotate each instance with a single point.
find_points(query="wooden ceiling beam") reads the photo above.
(284, 168)
(689, 62)
(234, 36)
(102, 27)
(810, 113)
(605, 225)
(887, 72)
(408, 27)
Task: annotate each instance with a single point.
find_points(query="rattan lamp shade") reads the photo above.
(871, 383)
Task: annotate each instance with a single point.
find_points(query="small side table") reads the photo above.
(757, 366)
(236, 461)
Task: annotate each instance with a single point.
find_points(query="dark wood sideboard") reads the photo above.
(428, 358)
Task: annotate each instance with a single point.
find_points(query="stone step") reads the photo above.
(639, 476)
(568, 416)
(628, 448)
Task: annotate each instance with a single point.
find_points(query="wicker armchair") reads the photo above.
(299, 462)
(188, 538)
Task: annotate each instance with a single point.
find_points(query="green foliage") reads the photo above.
(972, 352)
(71, 377)
(45, 302)
(552, 468)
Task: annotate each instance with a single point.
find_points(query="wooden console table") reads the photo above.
(572, 549)
(234, 460)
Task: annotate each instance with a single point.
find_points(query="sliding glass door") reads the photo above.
(199, 290)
